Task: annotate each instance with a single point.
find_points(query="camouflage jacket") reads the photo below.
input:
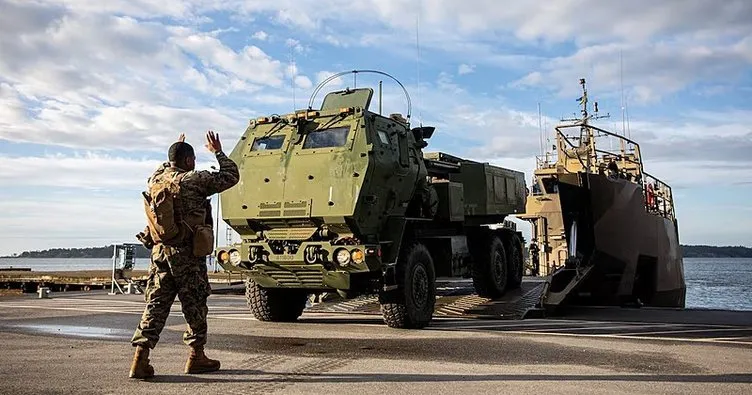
(196, 186)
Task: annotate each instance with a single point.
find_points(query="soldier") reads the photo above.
(179, 269)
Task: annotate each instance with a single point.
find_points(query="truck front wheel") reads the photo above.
(412, 304)
(270, 304)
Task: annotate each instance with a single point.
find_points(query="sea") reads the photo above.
(712, 283)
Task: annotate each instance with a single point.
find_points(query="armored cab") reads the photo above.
(343, 199)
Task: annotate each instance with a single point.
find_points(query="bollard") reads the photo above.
(132, 289)
(44, 292)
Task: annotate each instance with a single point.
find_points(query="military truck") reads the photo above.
(342, 199)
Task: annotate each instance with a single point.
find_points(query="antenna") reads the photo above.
(417, 48)
(294, 72)
(380, 97)
(626, 108)
(621, 77)
(540, 129)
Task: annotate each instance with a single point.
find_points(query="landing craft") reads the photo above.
(604, 230)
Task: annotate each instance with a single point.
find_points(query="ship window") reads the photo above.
(551, 185)
(268, 143)
(326, 138)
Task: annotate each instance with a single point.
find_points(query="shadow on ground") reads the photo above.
(314, 378)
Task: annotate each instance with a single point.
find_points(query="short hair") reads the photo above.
(179, 151)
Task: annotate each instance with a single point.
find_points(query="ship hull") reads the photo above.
(635, 255)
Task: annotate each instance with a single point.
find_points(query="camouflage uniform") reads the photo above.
(175, 271)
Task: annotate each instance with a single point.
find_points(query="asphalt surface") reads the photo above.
(79, 343)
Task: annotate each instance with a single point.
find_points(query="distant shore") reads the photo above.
(688, 251)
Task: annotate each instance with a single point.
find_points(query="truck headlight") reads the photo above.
(357, 256)
(234, 257)
(342, 256)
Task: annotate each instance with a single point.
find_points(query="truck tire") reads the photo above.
(516, 262)
(274, 304)
(411, 306)
(490, 269)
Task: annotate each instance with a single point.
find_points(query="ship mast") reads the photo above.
(587, 139)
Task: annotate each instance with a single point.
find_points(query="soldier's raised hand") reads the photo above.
(212, 142)
(181, 138)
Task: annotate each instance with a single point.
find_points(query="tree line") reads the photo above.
(688, 251)
(88, 252)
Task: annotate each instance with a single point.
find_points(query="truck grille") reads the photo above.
(297, 277)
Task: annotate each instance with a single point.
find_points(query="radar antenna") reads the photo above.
(584, 111)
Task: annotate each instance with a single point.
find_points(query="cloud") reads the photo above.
(76, 220)
(465, 69)
(260, 35)
(302, 81)
(86, 171)
(650, 71)
(88, 79)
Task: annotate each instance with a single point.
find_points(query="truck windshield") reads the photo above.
(268, 143)
(326, 138)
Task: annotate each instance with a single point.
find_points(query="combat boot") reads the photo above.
(198, 362)
(140, 368)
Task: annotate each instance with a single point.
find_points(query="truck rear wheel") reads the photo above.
(490, 268)
(412, 304)
(269, 304)
(516, 262)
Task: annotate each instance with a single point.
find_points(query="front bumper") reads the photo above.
(294, 270)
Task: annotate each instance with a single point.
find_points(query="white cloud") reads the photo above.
(650, 71)
(260, 35)
(87, 79)
(89, 170)
(80, 220)
(465, 69)
(302, 81)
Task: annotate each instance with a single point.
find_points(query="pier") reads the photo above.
(79, 342)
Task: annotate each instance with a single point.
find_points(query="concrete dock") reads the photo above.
(78, 342)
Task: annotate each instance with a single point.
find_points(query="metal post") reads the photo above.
(216, 235)
(380, 97)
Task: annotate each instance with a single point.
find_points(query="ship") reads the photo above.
(604, 231)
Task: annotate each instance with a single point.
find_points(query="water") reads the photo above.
(712, 283)
(719, 283)
(66, 264)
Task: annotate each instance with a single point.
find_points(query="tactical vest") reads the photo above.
(168, 223)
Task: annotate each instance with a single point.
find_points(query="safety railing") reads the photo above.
(616, 156)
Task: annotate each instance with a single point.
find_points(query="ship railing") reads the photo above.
(659, 197)
(625, 152)
(548, 160)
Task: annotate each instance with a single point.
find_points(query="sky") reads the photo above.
(92, 93)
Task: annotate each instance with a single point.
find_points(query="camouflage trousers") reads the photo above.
(173, 273)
